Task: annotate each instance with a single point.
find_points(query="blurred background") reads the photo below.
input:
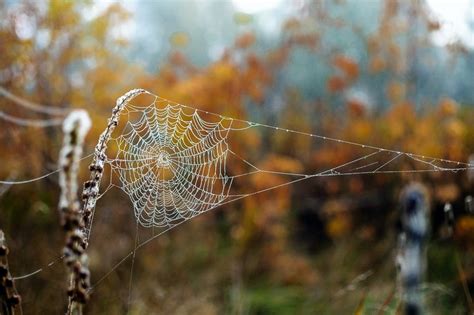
(396, 74)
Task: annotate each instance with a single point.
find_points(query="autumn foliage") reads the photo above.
(275, 237)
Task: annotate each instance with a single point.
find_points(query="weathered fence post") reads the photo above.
(411, 257)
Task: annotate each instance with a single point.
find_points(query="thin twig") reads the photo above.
(39, 108)
(462, 278)
(387, 301)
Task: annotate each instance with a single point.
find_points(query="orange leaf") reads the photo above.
(336, 84)
(347, 65)
(245, 40)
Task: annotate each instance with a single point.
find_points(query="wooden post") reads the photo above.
(411, 257)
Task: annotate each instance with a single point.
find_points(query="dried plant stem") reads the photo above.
(91, 187)
(9, 297)
(465, 286)
(75, 128)
(388, 300)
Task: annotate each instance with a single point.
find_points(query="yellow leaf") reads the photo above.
(179, 39)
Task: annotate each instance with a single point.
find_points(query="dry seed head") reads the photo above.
(80, 117)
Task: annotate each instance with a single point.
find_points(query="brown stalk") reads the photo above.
(465, 286)
(75, 127)
(91, 187)
(9, 297)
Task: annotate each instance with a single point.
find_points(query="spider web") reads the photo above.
(172, 164)
(171, 160)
